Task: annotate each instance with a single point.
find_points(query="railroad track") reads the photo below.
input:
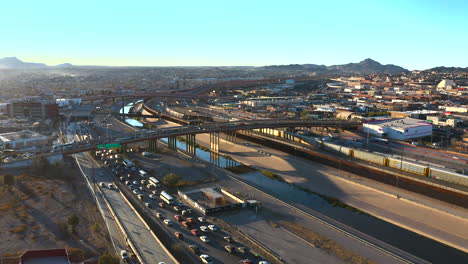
(383, 247)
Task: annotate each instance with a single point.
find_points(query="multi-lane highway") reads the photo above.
(137, 233)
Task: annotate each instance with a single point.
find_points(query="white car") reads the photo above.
(263, 262)
(206, 259)
(204, 228)
(213, 228)
(167, 222)
(201, 219)
(124, 255)
(205, 239)
(152, 196)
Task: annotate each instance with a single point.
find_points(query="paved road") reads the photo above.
(451, 229)
(148, 247)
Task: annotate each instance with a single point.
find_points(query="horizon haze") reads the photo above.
(409, 34)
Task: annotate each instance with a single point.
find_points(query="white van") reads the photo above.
(143, 173)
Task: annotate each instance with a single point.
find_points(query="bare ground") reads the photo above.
(34, 214)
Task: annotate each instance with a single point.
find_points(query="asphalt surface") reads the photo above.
(146, 244)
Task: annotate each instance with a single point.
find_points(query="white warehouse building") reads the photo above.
(399, 129)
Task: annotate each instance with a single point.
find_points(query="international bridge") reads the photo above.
(190, 131)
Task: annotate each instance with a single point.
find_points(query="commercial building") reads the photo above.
(400, 129)
(33, 109)
(23, 140)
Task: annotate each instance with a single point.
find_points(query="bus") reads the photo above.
(167, 198)
(154, 181)
(62, 147)
(127, 163)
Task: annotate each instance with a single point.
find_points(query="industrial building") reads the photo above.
(33, 109)
(399, 129)
(23, 140)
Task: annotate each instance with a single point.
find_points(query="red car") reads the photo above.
(179, 235)
(186, 224)
(161, 204)
(178, 218)
(190, 220)
(195, 232)
(247, 261)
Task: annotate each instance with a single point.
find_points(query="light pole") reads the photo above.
(107, 131)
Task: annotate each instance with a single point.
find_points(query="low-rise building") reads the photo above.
(400, 129)
(23, 140)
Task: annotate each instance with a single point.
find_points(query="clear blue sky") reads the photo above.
(416, 34)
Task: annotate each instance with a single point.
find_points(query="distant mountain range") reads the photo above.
(15, 63)
(367, 66)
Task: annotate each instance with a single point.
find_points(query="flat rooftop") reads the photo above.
(47, 260)
(19, 135)
(402, 123)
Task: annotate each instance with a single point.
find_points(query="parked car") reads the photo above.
(242, 250)
(167, 222)
(186, 224)
(263, 262)
(148, 205)
(228, 239)
(195, 249)
(159, 215)
(178, 218)
(195, 232)
(230, 249)
(206, 259)
(190, 220)
(177, 208)
(124, 255)
(179, 235)
(205, 239)
(204, 228)
(213, 228)
(152, 196)
(247, 261)
(201, 219)
(162, 205)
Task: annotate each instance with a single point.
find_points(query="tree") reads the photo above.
(73, 221)
(108, 259)
(171, 179)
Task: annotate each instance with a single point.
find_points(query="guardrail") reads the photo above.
(128, 239)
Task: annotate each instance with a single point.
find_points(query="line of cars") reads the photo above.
(186, 224)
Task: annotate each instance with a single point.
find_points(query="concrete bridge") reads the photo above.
(189, 131)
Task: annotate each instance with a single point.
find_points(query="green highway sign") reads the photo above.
(107, 146)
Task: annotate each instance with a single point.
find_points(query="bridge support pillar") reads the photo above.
(172, 143)
(190, 144)
(214, 142)
(231, 136)
(153, 145)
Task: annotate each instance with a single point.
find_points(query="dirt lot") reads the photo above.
(40, 210)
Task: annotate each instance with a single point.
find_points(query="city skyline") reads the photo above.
(416, 35)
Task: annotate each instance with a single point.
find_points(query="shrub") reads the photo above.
(171, 179)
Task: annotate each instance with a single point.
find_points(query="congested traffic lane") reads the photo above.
(215, 248)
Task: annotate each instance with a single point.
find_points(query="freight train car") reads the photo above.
(374, 158)
(407, 166)
(448, 176)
